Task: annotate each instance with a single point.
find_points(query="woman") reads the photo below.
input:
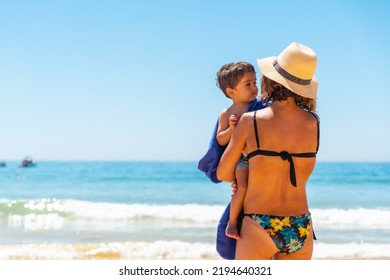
(281, 142)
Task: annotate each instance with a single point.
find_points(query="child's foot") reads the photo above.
(232, 231)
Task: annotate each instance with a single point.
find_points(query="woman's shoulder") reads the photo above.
(317, 117)
(311, 118)
(248, 117)
(258, 113)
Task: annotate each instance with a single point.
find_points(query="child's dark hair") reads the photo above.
(231, 73)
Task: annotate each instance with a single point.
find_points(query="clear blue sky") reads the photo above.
(135, 80)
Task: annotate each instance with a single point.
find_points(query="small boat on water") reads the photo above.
(3, 164)
(27, 162)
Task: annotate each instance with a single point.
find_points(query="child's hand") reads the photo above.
(234, 186)
(233, 121)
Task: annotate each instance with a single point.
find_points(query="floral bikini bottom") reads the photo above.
(288, 233)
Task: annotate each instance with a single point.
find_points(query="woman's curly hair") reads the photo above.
(272, 91)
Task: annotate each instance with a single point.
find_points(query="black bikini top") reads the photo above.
(284, 154)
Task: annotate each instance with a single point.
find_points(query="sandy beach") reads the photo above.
(158, 250)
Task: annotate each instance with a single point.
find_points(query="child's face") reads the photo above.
(246, 89)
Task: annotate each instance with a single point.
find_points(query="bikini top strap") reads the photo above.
(256, 133)
(318, 130)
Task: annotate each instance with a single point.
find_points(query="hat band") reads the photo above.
(288, 76)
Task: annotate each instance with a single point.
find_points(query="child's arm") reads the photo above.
(226, 125)
(232, 154)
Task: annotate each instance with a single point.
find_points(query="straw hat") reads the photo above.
(294, 68)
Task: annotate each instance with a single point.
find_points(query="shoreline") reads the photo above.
(157, 250)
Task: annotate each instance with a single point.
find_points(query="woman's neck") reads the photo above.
(287, 105)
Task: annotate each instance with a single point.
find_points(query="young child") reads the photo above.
(237, 81)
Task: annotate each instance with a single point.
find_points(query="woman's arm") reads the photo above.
(229, 159)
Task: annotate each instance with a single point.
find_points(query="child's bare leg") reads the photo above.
(236, 203)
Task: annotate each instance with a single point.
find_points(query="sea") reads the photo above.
(170, 210)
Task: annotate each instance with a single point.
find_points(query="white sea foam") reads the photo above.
(111, 211)
(172, 250)
(342, 218)
(352, 218)
(53, 214)
(36, 222)
(158, 250)
(351, 251)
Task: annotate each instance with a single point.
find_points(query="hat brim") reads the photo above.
(268, 70)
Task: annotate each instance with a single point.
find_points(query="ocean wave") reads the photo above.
(53, 213)
(361, 218)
